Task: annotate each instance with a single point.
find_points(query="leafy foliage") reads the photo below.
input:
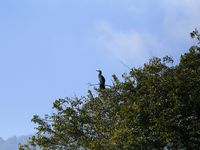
(157, 106)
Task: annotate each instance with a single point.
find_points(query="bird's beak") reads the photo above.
(97, 70)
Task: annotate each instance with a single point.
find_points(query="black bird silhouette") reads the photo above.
(102, 80)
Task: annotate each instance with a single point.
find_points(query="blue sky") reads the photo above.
(51, 49)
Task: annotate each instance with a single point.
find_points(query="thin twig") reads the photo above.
(125, 65)
(89, 84)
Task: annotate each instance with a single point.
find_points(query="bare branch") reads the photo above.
(125, 65)
(90, 84)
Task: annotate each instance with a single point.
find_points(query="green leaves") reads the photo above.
(155, 107)
(195, 33)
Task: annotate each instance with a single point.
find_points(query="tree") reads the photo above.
(157, 106)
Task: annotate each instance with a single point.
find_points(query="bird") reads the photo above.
(102, 80)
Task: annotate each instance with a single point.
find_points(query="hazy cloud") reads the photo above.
(179, 19)
(129, 45)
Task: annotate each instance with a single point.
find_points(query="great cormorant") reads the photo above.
(102, 80)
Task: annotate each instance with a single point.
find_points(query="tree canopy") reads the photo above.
(157, 106)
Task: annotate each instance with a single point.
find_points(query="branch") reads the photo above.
(89, 84)
(125, 65)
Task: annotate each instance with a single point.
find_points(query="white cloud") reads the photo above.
(132, 45)
(181, 17)
(123, 45)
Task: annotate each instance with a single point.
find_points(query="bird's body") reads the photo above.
(102, 80)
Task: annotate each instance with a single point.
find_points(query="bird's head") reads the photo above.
(99, 71)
